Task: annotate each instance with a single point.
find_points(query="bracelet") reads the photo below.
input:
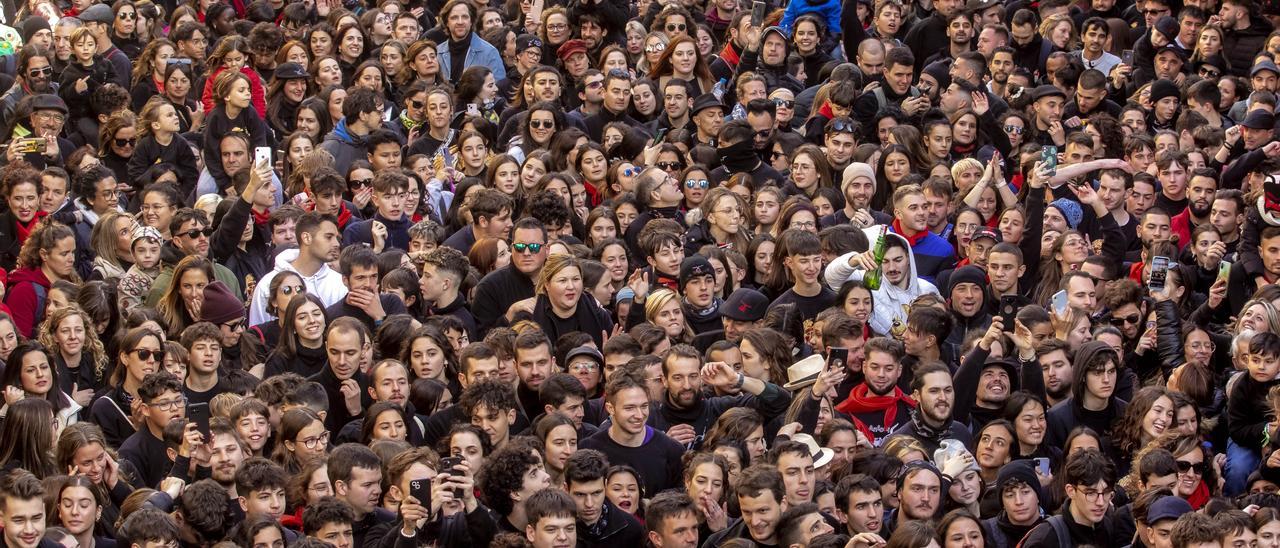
(741, 379)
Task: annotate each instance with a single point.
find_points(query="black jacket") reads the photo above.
(619, 529)
(772, 402)
(496, 292)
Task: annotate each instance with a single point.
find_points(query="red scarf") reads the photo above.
(729, 55)
(913, 240)
(1200, 497)
(861, 400)
(25, 231)
(261, 218)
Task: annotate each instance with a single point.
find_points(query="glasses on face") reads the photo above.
(234, 326)
(50, 117)
(697, 183)
(1206, 72)
(531, 249)
(291, 289)
(417, 104)
(676, 27)
(127, 15)
(557, 26)
(321, 440)
(169, 405)
(655, 48)
(1130, 319)
(764, 133)
(361, 183)
(595, 85)
(804, 225)
(585, 367)
(197, 232)
(1092, 495)
(783, 103)
(542, 124)
(36, 73)
(774, 155)
(631, 171)
(126, 142)
(669, 166)
(1016, 130)
(1197, 468)
(1156, 11)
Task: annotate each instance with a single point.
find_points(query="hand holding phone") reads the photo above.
(1060, 303)
(757, 13)
(1049, 159)
(450, 466)
(1159, 271)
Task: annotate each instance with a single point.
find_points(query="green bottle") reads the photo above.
(872, 279)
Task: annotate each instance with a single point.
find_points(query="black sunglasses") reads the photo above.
(416, 103)
(36, 73)
(359, 183)
(1197, 467)
(144, 354)
(669, 166)
(197, 232)
(542, 124)
(126, 142)
(674, 28)
(1121, 320)
(783, 103)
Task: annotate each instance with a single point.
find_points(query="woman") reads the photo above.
(559, 439)
(303, 438)
(592, 166)
(472, 153)
(961, 528)
(27, 437)
(429, 355)
(325, 71)
(80, 507)
(83, 451)
(477, 93)
(259, 531)
(743, 425)
(385, 421)
(765, 354)
(148, 72)
(178, 79)
(48, 255)
(706, 480)
(995, 448)
(809, 172)
(350, 43)
(180, 303)
(117, 139)
(542, 122)
(79, 357)
(30, 375)
(293, 52)
(111, 239)
(320, 40)
(140, 354)
(306, 488)
(664, 309)
(286, 93)
(623, 489)
(301, 335)
(489, 254)
(423, 65)
(1060, 32)
(723, 214)
(645, 100)
(469, 442)
(1148, 415)
(559, 291)
(895, 165)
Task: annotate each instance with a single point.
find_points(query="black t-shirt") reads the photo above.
(1172, 207)
(809, 307)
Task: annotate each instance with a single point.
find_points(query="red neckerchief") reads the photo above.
(344, 216)
(667, 281)
(912, 240)
(826, 110)
(159, 84)
(1200, 496)
(593, 194)
(25, 231)
(861, 400)
(1135, 272)
(260, 218)
(729, 55)
(962, 262)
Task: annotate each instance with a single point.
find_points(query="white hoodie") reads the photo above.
(326, 285)
(891, 301)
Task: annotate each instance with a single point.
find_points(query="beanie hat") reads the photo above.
(1021, 470)
(1071, 211)
(1164, 88)
(940, 71)
(220, 306)
(31, 25)
(1168, 26)
(693, 267)
(855, 170)
(972, 274)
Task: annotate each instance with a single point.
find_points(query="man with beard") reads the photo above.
(879, 405)
(496, 297)
(1227, 215)
(630, 440)
(35, 76)
(983, 386)
(920, 488)
(870, 60)
(858, 185)
(1001, 67)
(931, 419)
(736, 149)
(227, 453)
(1245, 33)
(686, 414)
(1200, 193)
(967, 301)
(62, 41)
(318, 245)
(931, 35)
(1055, 364)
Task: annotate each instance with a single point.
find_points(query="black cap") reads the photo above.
(584, 350)
(706, 101)
(1259, 119)
(1168, 26)
(693, 267)
(291, 71)
(1040, 92)
(97, 13)
(1174, 49)
(526, 41)
(48, 101)
(987, 232)
(745, 305)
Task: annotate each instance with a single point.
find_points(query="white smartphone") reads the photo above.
(262, 155)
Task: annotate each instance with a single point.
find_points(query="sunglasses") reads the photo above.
(361, 183)
(234, 326)
(843, 126)
(1130, 319)
(631, 171)
(197, 232)
(416, 103)
(145, 355)
(783, 103)
(697, 183)
(1016, 130)
(291, 289)
(674, 28)
(1197, 467)
(527, 248)
(36, 73)
(127, 15)
(126, 142)
(669, 166)
(542, 124)
(655, 48)
(764, 133)
(1209, 73)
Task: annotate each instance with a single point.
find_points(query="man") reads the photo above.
(364, 301)
(933, 254)
(930, 35)
(760, 493)
(858, 186)
(95, 194)
(859, 500)
(686, 413)
(1047, 108)
(736, 146)
(535, 361)
(937, 197)
(671, 520)
(1093, 400)
(802, 524)
(329, 520)
(742, 311)
(62, 42)
(1171, 170)
(590, 88)
(318, 245)
(356, 474)
(919, 495)
(600, 522)
(260, 486)
(1000, 67)
(1087, 516)
(162, 402)
(490, 218)
(35, 76)
(443, 272)
(1227, 215)
(931, 419)
(497, 293)
(899, 71)
(1246, 33)
(878, 405)
(23, 513)
(389, 226)
(1019, 490)
(492, 407)
(991, 38)
(1156, 527)
(551, 522)
(459, 24)
(629, 440)
(508, 479)
(617, 98)
(1200, 197)
(203, 343)
(1091, 96)
(960, 31)
(407, 28)
(361, 114)
(899, 269)
(870, 60)
(192, 41)
(346, 340)
(795, 463)
(803, 267)
(761, 115)
(1093, 55)
(99, 19)
(971, 68)
(839, 142)
(708, 117)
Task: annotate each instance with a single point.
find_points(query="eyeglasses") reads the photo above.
(655, 48)
(360, 183)
(50, 116)
(1209, 73)
(783, 103)
(321, 440)
(291, 289)
(764, 133)
(1016, 130)
(234, 326)
(36, 73)
(197, 232)
(674, 28)
(527, 248)
(585, 367)
(1092, 495)
(126, 142)
(809, 225)
(1132, 318)
(542, 124)
(1197, 468)
(127, 15)
(669, 166)
(596, 84)
(1155, 11)
(697, 183)
(557, 26)
(631, 171)
(169, 405)
(774, 155)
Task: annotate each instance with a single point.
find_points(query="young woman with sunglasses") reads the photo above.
(117, 141)
(140, 354)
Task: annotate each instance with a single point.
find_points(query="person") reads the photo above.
(601, 522)
(24, 512)
(356, 474)
(1088, 518)
(686, 413)
(318, 245)
(551, 515)
(629, 440)
(760, 496)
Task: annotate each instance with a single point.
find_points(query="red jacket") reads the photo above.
(22, 301)
(255, 88)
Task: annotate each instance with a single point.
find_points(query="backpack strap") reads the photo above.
(42, 295)
(1060, 529)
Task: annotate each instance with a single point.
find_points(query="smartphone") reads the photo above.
(1049, 159)
(1126, 57)
(1043, 464)
(657, 138)
(757, 13)
(1060, 303)
(449, 465)
(262, 155)
(421, 489)
(1271, 191)
(1224, 270)
(837, 357)
(1008, 311)
(1159, 269)
(198, 413)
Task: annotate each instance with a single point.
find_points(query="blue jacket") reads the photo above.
(933, 255)
(828, 10)
(478, 53)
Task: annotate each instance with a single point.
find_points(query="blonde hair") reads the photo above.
(222, 404)
(963, 165)
(899, 446)
(553, 266)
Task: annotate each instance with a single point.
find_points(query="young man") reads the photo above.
(697, 286)
(1200, 195)
(686, 412)
(933, 254)
(931, 420)
(226, 455)
(491, 406)
(1171, 170)
(760, 493)
(443, 272)
(919, 495)
(356, 474)
(203, 342)
(345, 342)
(1155, 527)
(1087, 516)
(617, 97)
(384, 148)
(389, 227)
(802, 524)
(146, 528)
(260, 485)
(551, 522)
(672, 521)
(535, 361)
(899, 268)
(318, 245)
(24, 517)
(361, 114)
(162, 402)
(493, 301)
(659, 195)
(599, 521)
(329, 520)
(859, 500)
(795, 463)
(879, 405)
(509, 478)
(1019, 490)
(364, 300)
(1092, 402)
(803, 264)
(629, 440)
(1195, 530)
(327, 189)
(490, 218)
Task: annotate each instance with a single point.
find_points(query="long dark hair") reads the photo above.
(27, 437)
(12, 375)
(289, 343)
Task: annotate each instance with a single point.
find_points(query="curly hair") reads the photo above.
(93, 345)
(502, 475)
(44, 238)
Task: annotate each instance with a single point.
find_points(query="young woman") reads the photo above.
(30, 375)
(559, 439)
(429, 355)
(27, 436)
(117, 141)
(178, 78)
(140, 354)
(148, 72)
(288, 89)
(301, 345)
(384, 421)
(663, 308)
(80, 510)
(303, 439)
(477, 93)
(809, 172)
(79, 357)
(706, 480)
(623, 489)
(48, 255)
(180, 303)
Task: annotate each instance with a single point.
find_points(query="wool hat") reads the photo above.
(855, 170)
(570, 47)
(31, 25)
(1168, 26)
(1071, 211)
(940, 71)
(744, 305)
(969, 273)
(220, 305)
(1021, 471)
(1164, 88)
(693, 267)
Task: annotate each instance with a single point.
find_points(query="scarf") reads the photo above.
(409, 123)
(863, 400)
(261, 219)
(926, 432)
(912, 240)
(729, 55)
(25, 231)
(740, 157)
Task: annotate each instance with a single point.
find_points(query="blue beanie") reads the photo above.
(1070, 209)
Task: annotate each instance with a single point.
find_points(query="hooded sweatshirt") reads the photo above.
(346, 147)
(25, 307)
(891, 300)
(1069, 413)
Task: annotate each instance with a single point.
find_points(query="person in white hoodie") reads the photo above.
(899, 286)
(318, 245)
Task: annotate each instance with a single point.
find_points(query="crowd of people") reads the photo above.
(668, 273)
